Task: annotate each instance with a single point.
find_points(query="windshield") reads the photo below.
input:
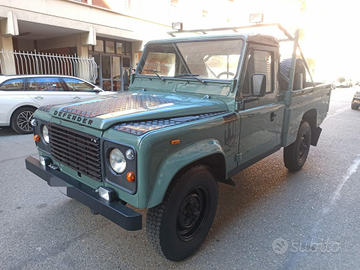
(215, 59)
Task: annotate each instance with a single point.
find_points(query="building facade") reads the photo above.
(63, 36)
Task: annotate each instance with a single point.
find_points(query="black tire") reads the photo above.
(296, 153)
(354, 106)
(177, 227)
(20, 120)
(285, 66)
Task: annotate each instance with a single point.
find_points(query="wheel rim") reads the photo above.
(23, 120)
(303, 147)
(192, 214)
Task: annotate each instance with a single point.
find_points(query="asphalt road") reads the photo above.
(272, 219)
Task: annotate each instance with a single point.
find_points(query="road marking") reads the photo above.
(292, 261)
(337, 112)
(351, 170)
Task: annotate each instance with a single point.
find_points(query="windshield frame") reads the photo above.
(174, 43)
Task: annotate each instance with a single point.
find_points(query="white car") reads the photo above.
(21, 95)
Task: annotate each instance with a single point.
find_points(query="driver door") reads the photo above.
(262, 117)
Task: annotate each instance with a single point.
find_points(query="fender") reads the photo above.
(176, 161)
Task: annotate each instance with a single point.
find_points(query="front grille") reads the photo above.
(77, 150)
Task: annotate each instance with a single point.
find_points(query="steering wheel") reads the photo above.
(224, 73)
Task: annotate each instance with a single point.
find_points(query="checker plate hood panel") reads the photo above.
(105, 111)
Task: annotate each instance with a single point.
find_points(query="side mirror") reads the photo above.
(258, 85)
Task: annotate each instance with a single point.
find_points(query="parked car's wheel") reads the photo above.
(178, 226)
(296, 153)
(20, 120)
(355, 106)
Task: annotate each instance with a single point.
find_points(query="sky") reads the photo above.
(331, 28)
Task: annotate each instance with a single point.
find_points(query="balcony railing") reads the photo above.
(44, 63)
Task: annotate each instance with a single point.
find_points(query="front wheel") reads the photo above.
(296, 153)
(177, 227)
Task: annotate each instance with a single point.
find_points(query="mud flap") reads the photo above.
(315, 135)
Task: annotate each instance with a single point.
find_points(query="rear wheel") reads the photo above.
(296, 153)
(20, 120)
(177, 227)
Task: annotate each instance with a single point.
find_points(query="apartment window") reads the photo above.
(128, 48)
(109, 46)
(119, 48)
(99, 47)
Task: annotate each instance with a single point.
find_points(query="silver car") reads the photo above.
(21, 95)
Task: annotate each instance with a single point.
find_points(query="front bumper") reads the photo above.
(114, 211)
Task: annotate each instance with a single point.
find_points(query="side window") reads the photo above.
(31, 85)
(45, 84)
(260, 62)
(77, 85)
(12, 85)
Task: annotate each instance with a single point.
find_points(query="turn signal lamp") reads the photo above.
(173, 142)
(130, 176)
(36, 138)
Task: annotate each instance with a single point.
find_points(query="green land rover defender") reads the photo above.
(198, 111)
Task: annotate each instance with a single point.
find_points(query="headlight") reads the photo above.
(117, 160)
(45, 134)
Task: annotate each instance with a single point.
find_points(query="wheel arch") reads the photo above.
(20, 107)
(311, 117)
(210, 154)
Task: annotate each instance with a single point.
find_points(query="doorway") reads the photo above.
(114, 72)
(113, 59)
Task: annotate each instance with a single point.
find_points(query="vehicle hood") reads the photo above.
(104, 111)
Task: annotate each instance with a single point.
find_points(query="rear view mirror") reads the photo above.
(258, 85)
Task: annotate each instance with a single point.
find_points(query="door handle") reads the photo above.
(38, 97)
(272, 116)
(77, 97)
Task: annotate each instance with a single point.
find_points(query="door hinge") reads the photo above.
(238, 157)
(239, 105)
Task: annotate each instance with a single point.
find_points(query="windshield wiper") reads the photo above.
(191, 75)
(156, 73)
